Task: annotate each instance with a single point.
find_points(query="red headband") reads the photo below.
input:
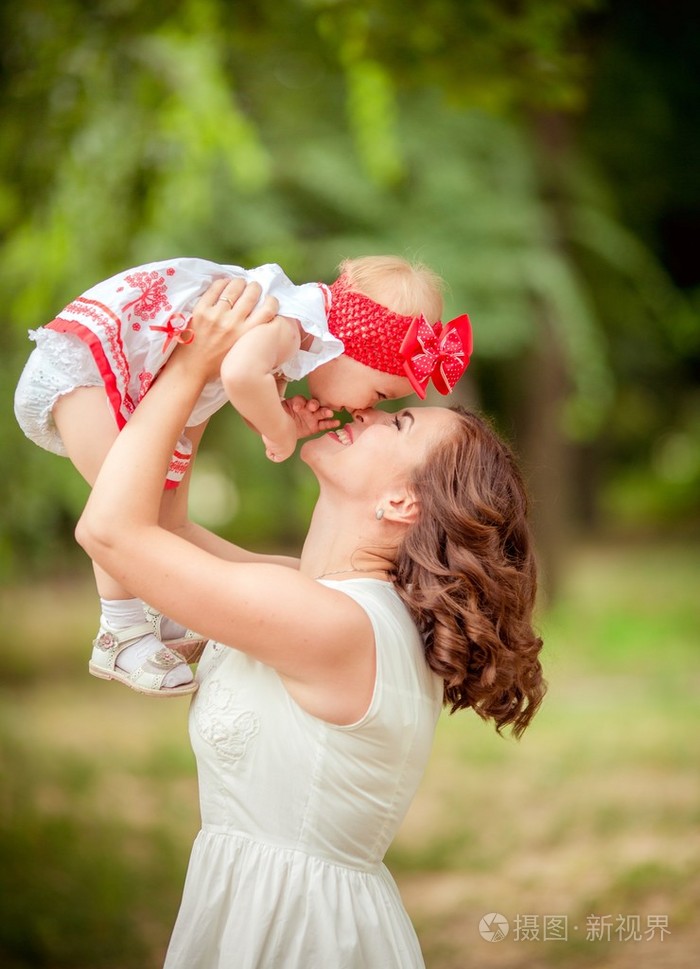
(407, 346)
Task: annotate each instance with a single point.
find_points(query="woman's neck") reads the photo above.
(345, 547)
(372, 573)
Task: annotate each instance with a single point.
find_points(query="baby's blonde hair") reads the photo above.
(404, 287)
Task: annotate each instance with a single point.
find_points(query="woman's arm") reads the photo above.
(315, 637)
(174, 515)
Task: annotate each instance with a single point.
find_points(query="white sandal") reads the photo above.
(190, 646)
(148, 678)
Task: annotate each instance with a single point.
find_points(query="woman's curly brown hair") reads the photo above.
(466, 571)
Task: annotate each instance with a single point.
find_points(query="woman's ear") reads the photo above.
(401, 508)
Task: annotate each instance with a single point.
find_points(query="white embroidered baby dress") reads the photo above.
(120, 333)
(297, 813)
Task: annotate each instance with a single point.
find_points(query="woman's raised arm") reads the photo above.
(261, 609)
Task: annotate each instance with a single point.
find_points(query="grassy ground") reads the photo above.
(588, 826)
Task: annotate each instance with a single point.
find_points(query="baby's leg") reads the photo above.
(174, 515)
(88, 430)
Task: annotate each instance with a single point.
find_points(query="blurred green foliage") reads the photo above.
(497, 141)
(74, 883)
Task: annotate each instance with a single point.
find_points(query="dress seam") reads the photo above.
(319, 760)
(390, 813)
(243, 836)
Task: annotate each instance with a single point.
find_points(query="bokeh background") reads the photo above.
(544, 157)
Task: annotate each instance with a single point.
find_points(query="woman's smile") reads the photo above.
(343, 435)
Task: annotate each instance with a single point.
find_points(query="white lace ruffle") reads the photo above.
(59, 363)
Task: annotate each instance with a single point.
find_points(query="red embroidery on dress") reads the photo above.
(145, 379)
(136, 326)
(177, 467)
(109, 324)
(170, 272)
(153, 296)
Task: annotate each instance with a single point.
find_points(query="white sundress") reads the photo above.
(297, 814)
(116, 335)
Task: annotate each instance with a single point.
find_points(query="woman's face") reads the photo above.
(377, 449)
(345, 384)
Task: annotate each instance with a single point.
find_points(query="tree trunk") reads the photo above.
(546, 454)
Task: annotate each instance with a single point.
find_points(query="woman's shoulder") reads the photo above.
(398, 641)
(372, 594)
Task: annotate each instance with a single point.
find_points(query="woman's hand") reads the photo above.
(226, 311)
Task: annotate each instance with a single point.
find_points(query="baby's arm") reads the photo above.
(247, 374)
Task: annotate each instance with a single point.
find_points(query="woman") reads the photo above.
(320, 690)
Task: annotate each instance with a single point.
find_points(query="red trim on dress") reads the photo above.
(179, 461)
(92, 341)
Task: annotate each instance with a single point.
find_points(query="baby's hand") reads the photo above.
(309, 416)
(283, 447)
(277, 452)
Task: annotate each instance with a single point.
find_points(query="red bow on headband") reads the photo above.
(173, 331)
(440, 352)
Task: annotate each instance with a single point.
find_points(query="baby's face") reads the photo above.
(344, 383)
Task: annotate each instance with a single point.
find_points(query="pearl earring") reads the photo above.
(379, 514)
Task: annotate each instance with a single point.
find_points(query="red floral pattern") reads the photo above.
(145, 379)
(153, 298)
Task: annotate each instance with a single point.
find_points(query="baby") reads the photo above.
(373, 335)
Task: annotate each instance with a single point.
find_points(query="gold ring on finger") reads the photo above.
(225, 299)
